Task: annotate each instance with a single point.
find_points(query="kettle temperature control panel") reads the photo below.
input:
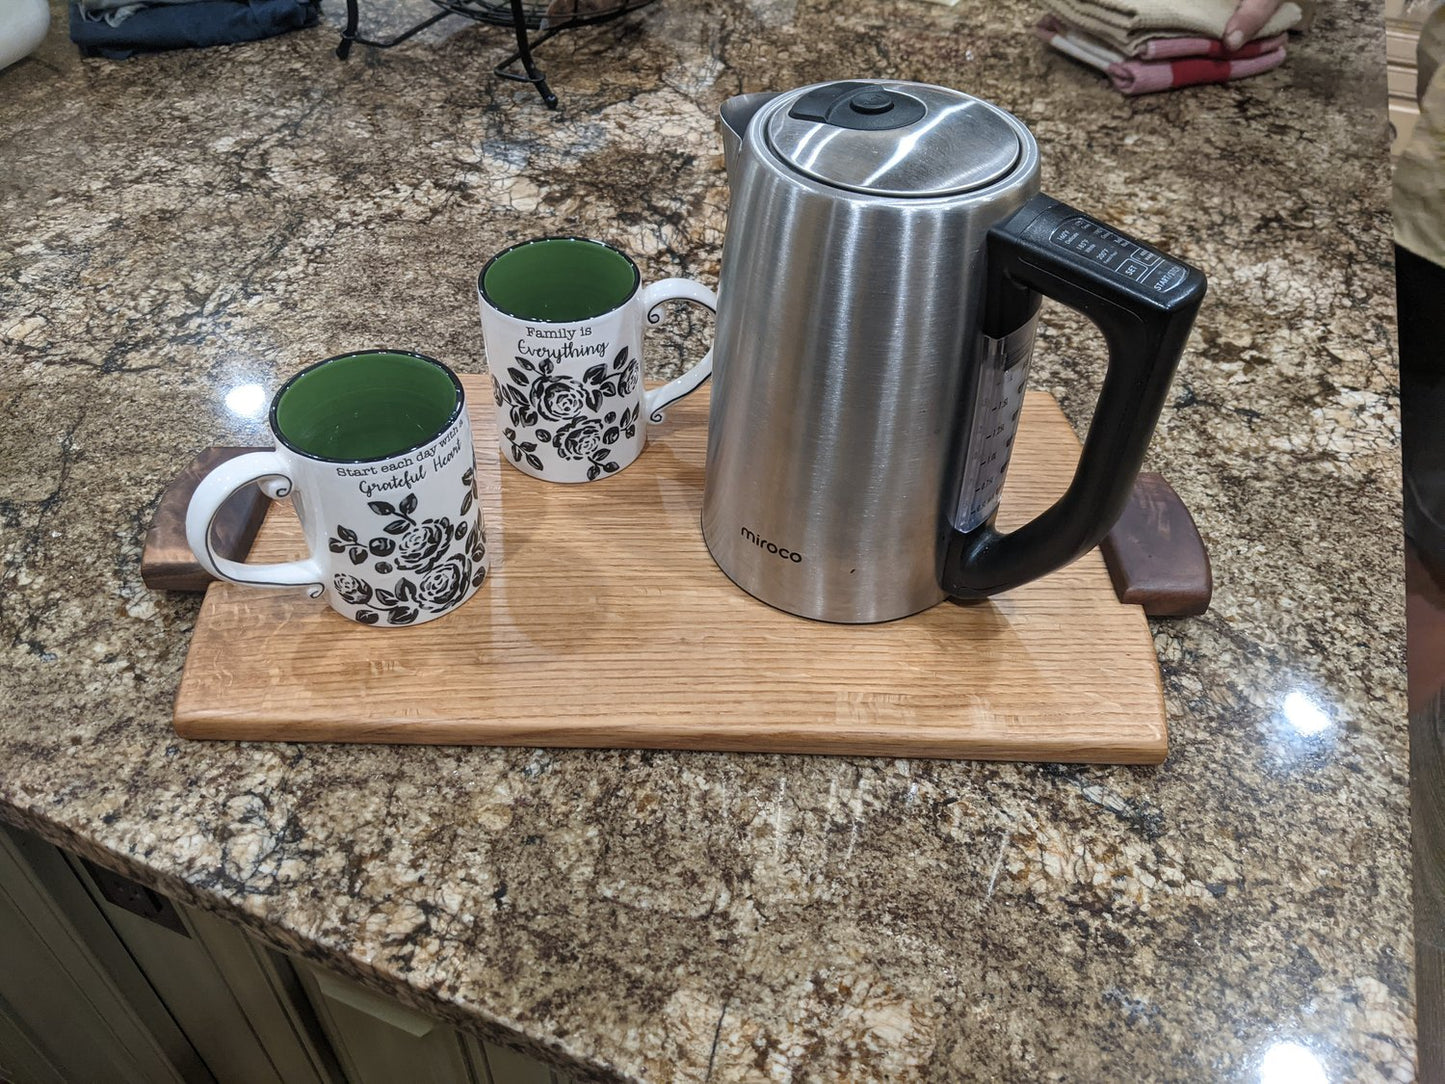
(1108, 250)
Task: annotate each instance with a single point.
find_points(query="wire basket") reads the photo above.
(533, 21)
(556, 15)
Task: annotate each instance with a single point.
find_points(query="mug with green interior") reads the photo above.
(559, 279)
(376, 451)
(562, 323)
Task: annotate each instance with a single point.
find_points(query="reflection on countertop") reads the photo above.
(186, 230)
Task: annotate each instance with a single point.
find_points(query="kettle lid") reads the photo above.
(895, 139)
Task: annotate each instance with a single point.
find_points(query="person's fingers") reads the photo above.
(1248, 18)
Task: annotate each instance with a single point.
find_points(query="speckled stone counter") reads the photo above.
(180, 226)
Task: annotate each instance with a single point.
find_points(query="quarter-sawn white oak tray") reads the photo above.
(605, 623)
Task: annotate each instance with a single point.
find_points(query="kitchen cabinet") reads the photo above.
(73, 1006)
(104, 979)
(380, 1041)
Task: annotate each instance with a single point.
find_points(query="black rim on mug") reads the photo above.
(521, 245)
(458, 406)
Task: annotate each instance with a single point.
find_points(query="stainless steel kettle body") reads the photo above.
(872, 336)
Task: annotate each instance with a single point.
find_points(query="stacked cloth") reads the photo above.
(121, 28)
(1149, 45)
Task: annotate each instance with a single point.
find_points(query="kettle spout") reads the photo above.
(733, 118)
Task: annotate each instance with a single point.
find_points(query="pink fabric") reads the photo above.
(1148, 76)
(1163, 48)
(1164, 63)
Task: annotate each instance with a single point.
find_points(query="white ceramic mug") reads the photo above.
(375, 451)
(562, 322)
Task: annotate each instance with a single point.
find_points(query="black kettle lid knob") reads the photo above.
(863, 106)
(871, 102)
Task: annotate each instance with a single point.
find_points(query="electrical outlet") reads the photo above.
(136, 898)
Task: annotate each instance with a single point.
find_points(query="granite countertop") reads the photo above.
(179, 226)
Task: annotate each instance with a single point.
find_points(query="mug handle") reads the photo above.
(651, 298)
(269, 470)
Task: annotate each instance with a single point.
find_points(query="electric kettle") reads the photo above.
(885, 254)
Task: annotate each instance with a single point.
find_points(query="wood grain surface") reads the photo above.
(1154, 554)
(605, 623)
(167, 563)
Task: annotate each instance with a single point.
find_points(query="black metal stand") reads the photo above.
(515, 14)
(530, 72)
(349, 35)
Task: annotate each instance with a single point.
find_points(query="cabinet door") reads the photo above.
(102, 979)
(21, 1059)
(509, 1067)
(217, 984)
(74, 1006)
(380, 1041)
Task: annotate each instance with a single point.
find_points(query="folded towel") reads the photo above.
(1148, 76)
(187, 26)
(1132, 75)
(1154, 49)
(1128, 24)
(1174, 48)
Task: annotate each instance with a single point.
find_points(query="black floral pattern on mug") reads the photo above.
(477, 542)
(534, 393)
(443, 560)
(625, 424)
(619, 378)
(346, 541)
(445, 585)
(478, 554)
(627, 380)
(585, 439)
(398, 605)
(515, 394)
(578, 439)
(353, 590)
(523, 449)
(469, 479)
(556, 398)
(422, 547)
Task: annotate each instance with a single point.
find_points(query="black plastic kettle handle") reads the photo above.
(1145, 303)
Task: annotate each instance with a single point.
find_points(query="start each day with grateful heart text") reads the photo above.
(407, 470)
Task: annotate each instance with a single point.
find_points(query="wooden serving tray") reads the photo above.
(605, 623)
